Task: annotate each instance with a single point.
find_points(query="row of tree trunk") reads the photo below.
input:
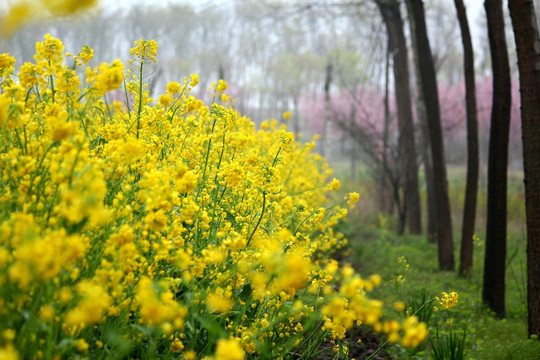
(528, 50)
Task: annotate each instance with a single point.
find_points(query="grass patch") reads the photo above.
(409, 268)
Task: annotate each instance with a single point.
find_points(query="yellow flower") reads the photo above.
(187, 182)
(28, 75)
(353, 199)
(145, 49)
(286, 115)
(229, 350)
(234, 174)
(448, 301)
(415, 332)
(4, 107)
(17, 15)
(82, 345)
(399, 305)
(6, 63)
(66, 7)
(219, 301)
(295, 272)
(110, 77)
(9, 334)
(8, 352)
(221, 86)
(176, 345)
(60, 128)
(157, 309)
(86, 54)
(50, 50)
(375, 279)
(92, 308)
(194, 80)
(46, 313)
(174, 88)
(334, 185)
(165, 100)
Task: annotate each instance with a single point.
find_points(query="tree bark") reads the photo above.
(327, 111)
(495, 256)
(471, 191)
(421, 113)
(528, 51)
(394, 25)
(387, 202)
(428, 81)
(296, 116)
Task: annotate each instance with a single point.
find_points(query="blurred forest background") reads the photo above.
(275, 56)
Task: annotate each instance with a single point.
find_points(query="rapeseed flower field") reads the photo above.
(164, 227)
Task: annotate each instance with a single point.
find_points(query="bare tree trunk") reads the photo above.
(353, 144)
(425, 144)
(430, 183)
(327, 111)
(221, 72)
(386, 202)
(296, 116)
(495, 256)
(528, 50)
(429, 86)
(471, 191)
(394, 25)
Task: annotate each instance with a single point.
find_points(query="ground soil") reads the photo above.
(358, 350)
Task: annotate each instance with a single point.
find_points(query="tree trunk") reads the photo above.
(495, 256)
(528, 51)
(433, 227)
(407, 151)
(221, 72)
(296, 116)
(353, 152)
(386, 198)
(421, 113)
(428, 83)
(471, 191)
(327, 111)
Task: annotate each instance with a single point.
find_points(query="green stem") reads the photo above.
(139, 110)
(258, 222)
(108, 110)
(51, 79)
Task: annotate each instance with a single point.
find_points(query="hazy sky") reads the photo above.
(475, 8)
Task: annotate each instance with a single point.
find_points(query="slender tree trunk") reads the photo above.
(425, 144)
(353, 153)
(495, 256)
(221, 72)
(296, 116)
(471, 191)
(394, 25)
(327, 111)
(428, 82)
(528, 50)
(386, 202)
(433, 227)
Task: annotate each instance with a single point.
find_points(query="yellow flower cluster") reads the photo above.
(141, 228)
(447, 301)
(410, 333)
(145, 49)
(26, 10)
